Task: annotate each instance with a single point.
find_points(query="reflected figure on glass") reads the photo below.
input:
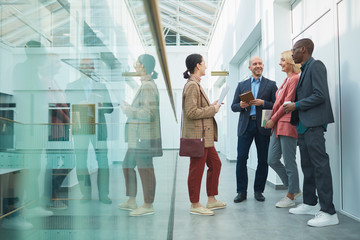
(58, 132)
(87, 95)
(32, 108)
(142, 132)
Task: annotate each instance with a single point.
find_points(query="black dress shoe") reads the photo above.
(240, 197)
(259, 196)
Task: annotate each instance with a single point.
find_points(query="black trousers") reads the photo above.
(243, 147)
(316, 168)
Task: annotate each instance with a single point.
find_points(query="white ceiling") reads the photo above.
(185, 22)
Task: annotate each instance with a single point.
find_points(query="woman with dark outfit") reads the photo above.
(198, 115)
(143, 135)
(284, 135)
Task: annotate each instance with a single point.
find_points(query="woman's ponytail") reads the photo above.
(186, 74)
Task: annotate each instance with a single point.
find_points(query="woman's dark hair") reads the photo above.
(148, 62)
(191, 62)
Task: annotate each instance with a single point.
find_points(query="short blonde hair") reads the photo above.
(287, 55)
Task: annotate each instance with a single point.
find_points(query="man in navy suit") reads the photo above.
(311, 112)
(249, 128)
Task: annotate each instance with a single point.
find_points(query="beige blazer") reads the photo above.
(143, 115)
(194, 110)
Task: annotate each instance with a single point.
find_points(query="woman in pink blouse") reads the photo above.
(284, 135)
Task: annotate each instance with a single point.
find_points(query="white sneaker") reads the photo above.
(128, 206)
(285, 202)
(305, 209)
(323, 219)
(297, 195)
(37, 212)
(142, 211)
(16, 223)
(201, 211)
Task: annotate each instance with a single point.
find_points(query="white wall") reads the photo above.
(349, 33)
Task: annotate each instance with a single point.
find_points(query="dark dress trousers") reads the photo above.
(250, 129)
(314, 112)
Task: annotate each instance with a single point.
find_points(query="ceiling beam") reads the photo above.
(191, 19)
(185, 33)
(191, 29)
(205, 5)
(191, 10)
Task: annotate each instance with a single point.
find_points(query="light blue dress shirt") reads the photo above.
(255, 84)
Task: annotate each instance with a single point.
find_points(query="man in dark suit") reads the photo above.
(85, 94)
(249, 128)
(311, 112)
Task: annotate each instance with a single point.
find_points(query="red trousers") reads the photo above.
(196, 170)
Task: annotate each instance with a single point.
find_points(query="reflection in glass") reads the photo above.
(62, 129)
(31, 104)
(142, 132)
(58, 131)
(84, 94)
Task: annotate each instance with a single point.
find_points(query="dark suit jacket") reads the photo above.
(267, 90)
(312, 96)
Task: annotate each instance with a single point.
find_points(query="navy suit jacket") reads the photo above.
(267, 90)
(312, 96)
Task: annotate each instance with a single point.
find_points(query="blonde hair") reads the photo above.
(287, 55)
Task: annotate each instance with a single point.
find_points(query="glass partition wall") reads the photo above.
(80, 138)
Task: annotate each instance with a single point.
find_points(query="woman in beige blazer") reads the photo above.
(198, 112)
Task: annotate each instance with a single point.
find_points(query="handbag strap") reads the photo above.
(202, 120)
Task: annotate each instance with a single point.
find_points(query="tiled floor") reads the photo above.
(247, 220)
